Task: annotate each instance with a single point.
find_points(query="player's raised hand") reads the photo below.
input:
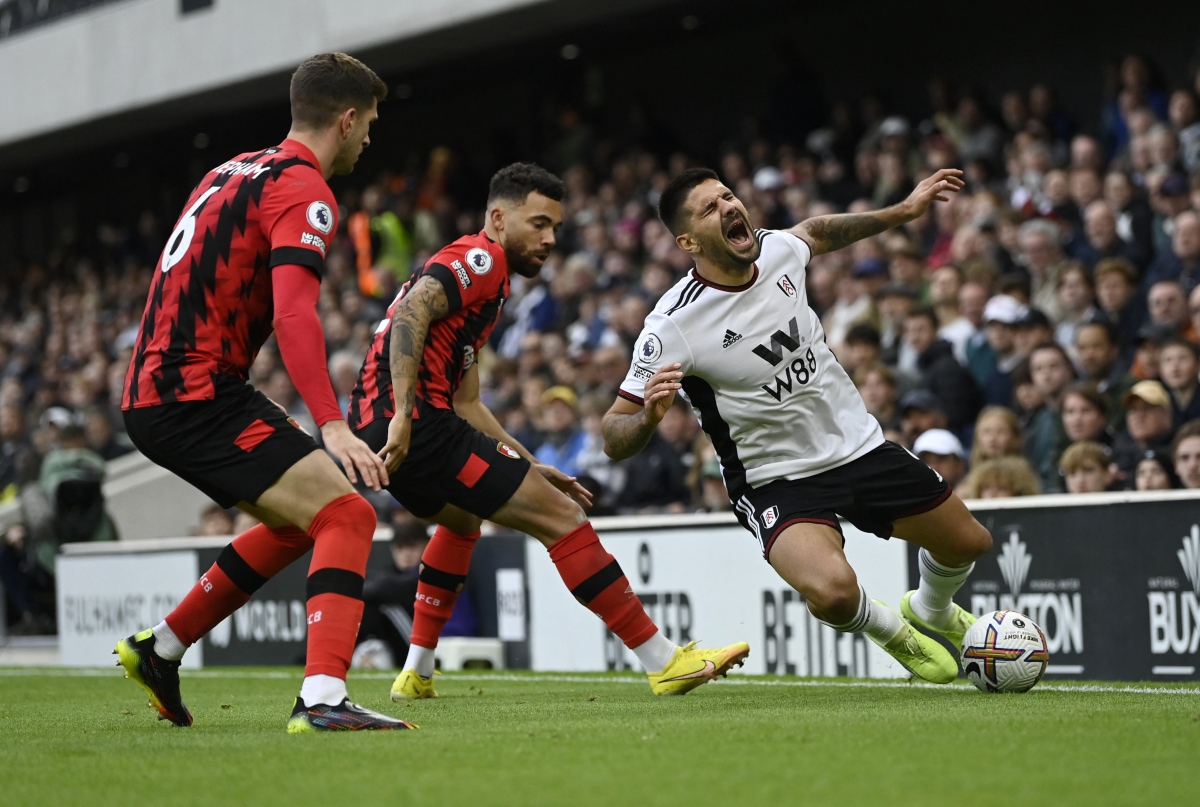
(934, 188)
(396, 449)
(567, 484)
(356, 457)
(660, 392)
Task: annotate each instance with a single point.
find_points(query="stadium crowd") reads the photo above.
(1038, 333)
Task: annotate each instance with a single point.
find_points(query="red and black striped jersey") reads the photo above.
(210, 306)
(474, 272)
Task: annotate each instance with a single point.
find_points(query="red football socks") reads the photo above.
(342, 533)
(243, 566)
(444, 566)
(596, 580)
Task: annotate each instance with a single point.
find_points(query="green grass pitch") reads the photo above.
(86, 737)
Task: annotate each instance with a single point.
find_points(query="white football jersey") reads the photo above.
(767, 389)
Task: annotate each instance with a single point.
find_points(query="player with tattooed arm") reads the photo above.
(450, 461)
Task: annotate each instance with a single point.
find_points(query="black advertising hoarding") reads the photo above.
(1115, 587)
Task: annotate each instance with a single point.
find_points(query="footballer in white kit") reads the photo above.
(797, 446)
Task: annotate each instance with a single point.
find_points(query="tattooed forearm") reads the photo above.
(829, 233)
(625, 435)
(411, 319)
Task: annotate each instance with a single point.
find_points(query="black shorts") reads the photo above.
(232, 447)
(872, 492)
(449, 462)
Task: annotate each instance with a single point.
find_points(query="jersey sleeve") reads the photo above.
(659, 344)
(467, 275)
(798, 245)
(299, 218)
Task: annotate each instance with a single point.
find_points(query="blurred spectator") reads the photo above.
(860, 348)
(942, 451)
(1116, 297)
(940, 372)
(1155, 472)
(1032, 329)
(967, 325)
(1085, 415)
(101, 438)
(1041, 253)
(1076, 298)
(877, 385)
(214, 520)
(920, 411)
(855, 301)
(892, 304)
(18, 460)
(1099, 364)
(1185, 453)
(1167, 305)
(1147, 426)
(1179, 369)
(1182, 263)
(1051, 371)
(564, 441)
(1102, 240)
(998, 433)
(1085, 468)
(993, 361)
(1000, 478)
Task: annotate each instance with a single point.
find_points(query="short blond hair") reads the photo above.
(1014, 474)
(1080, 454)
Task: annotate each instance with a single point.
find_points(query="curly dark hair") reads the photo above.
(513, 183)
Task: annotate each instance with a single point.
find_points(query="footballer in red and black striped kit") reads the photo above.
(450, 461)
(474, 273)
(245, 258)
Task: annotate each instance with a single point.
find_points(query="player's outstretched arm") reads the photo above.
(627, 427)
(416, 311)
(828, 233)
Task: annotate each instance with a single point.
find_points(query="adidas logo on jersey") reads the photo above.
(730, 338)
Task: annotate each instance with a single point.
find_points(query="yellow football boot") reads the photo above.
(692, 666)
(921, 654)
(960, 621)
(410, 686)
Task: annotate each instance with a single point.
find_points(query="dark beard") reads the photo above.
(523, 265)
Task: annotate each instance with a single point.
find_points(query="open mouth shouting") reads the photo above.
(737, 233)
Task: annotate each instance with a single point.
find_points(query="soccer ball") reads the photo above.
(1004, 651)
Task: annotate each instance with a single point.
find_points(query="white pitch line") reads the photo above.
(91, 672)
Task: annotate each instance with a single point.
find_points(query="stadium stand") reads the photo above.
(1061, 226)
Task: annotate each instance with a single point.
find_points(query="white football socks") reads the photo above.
(167, 644)
(872, 618)
(935, 592)
(420, 659)
(655, 653)
(322, 689)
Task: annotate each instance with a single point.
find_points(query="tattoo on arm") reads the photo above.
(625, 435)
(829, 233)
(423, 304)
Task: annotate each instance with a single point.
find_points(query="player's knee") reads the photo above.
(835, 598)
(353, 513)
(976, 543)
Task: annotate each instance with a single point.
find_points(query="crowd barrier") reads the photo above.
(1114, 580)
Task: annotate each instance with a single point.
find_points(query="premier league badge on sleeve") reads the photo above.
(650, 349)
(479, 261)
(320, 217)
